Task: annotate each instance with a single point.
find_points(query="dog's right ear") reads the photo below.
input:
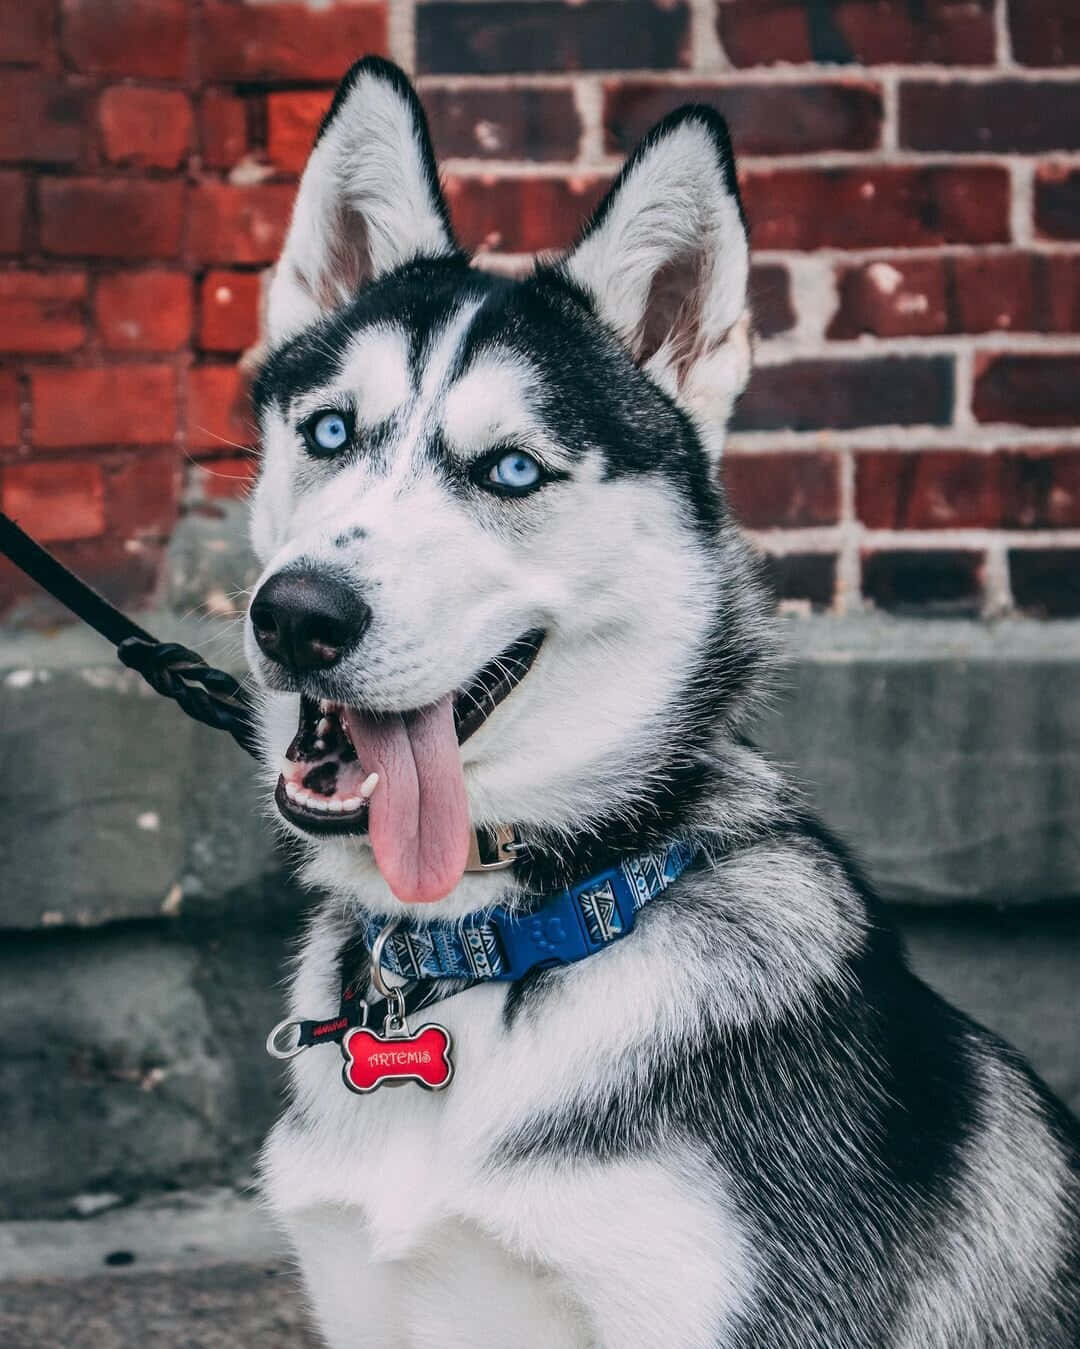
(369, 199)
(665, 261)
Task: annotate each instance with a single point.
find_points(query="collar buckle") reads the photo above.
(493, 849)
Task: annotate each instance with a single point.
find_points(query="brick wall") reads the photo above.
(911, 172)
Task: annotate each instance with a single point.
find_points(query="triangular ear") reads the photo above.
(665, 261)
(368, 201)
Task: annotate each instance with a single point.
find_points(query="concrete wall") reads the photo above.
(146, 917)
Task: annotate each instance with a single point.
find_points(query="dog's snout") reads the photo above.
(307, 621)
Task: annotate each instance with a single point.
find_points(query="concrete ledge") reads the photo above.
(947, 754)
(113, 804)
(191, 1230)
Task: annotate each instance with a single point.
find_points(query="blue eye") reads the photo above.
(327, 433)
(516, 471)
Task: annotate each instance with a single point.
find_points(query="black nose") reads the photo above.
(307, 621)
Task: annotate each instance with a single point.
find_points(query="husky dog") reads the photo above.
(502, 592)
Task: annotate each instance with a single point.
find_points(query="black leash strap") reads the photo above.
(211, 696)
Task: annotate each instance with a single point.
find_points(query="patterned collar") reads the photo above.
(504, 945)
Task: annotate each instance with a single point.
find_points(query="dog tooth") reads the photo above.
(324, 727)
(291, 790)
(336, 806)
(352, 803)
(368, 785)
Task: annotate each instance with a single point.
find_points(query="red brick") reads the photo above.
(1057, 294)
(287, 41)
(110, 405)
(218, 409)
(147, 38)
(770, 299)
(840, 395)
(9, 408)
(229, 306)
(941, 32)
(944, 583)
(142, 493)
(144, 311)
(56, 500)
(292, 119)
(225, 479)
(12, 211)
(1005, 292)
(1045, 32)
(1040, 488)
(1030, 488)
(931, 489)
(1046, 581)
(1000, 116)
(535, 124)
(521, 215)
(764, 119)
(223, 123)
(781, 490)
(806, 578)
(877, 207)
(1032, 390)
(978, 293)
(27, 30)
(900, 297)
(42, 118)
(495, 38)
(228, 223)
(43, 311)
(145, 127)
(113, 218)
(1057, 201)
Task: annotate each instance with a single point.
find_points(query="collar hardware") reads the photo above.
(496, 945)
(493, 849)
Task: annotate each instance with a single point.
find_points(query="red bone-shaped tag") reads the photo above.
(371, 1060)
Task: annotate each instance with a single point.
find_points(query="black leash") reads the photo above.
(211, 696)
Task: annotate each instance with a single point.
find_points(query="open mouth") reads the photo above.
(339, 753)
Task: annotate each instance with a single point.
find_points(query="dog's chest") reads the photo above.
(405, 1156)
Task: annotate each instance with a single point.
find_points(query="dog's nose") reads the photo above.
(307, 621)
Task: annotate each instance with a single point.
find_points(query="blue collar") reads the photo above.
(504, 945)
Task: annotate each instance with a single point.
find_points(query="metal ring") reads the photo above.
(395, 1012)
(278, 1050)
(381, 987)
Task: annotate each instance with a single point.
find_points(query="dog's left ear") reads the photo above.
(665, 260)
(368, 201)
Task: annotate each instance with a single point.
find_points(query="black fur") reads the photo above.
(841, 1128)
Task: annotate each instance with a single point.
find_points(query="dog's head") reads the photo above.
(496, 568)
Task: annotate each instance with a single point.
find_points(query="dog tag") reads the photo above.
(373, 1060)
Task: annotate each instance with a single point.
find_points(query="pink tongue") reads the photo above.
(418, 819)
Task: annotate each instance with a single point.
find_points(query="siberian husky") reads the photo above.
(502, 592)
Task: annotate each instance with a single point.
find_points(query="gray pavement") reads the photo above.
(222, 1307)
(192, 1271)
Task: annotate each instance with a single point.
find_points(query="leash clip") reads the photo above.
(283, 1042)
